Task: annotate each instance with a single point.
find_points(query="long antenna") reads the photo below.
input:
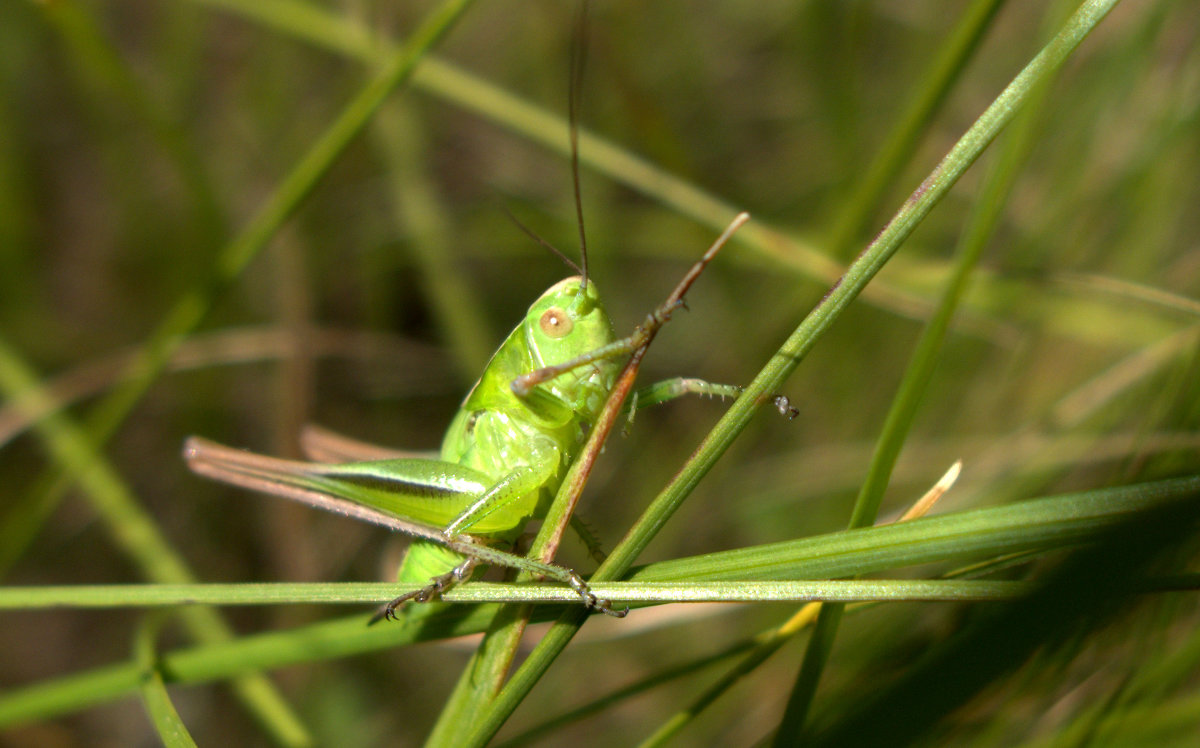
(578, 57)
(534, 235)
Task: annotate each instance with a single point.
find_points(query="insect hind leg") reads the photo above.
(590, 601)
(437, 585)
(473, 554)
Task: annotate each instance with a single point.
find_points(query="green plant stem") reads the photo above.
(1005, 530)
(136, 534)
(231, 659)
(362, 593)
(620, 695)
(980, 225)
(771, 378)
(81, 461)
(483, 675)
(191, 309)
(536, 124)
(416, 204)
(102, 70)
(1088, 588)
(170, 727)
(895, 154)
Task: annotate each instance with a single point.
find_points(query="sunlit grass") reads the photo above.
(146, 147)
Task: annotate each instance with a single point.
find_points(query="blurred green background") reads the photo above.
(137, 138)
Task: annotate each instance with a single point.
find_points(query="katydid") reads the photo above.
(508, 447)
(501, 460)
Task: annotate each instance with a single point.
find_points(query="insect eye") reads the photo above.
(555, 323)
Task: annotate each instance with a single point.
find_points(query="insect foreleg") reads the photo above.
(525, 383)
(644, 332)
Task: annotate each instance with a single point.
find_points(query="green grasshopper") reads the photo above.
(503, 457)
(508, 447)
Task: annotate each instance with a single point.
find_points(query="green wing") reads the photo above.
(425, 491)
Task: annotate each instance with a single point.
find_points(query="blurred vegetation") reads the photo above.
(138, 139)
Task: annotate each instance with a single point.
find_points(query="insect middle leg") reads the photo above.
(669, 389)
(437, 585)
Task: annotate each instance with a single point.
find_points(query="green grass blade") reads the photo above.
(123, 596)
(1089, 588)
(137, 535)
(772, 377)
(980, 226)
(946, 70)
(100, 68)
(191, 309)
(996, 531)
(1041, 523)
(549, 129)
(171, 729)
(232, 659)
(397, 132)
(130, 522)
